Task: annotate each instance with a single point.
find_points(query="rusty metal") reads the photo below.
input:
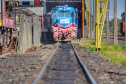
(36, 2)
(9, 2)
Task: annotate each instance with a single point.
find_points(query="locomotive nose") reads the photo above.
(65, 31)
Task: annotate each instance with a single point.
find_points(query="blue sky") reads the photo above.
(120, 8)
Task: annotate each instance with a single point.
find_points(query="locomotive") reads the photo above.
(64, 22)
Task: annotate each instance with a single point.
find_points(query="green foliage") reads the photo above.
(124, 48)
(105, 48)
(35, 47)
(77, 40)
(91, 48)
(88, 38)
(111, 26)
(123, 16)
(123, 62)
(109, 51)
(117, 48)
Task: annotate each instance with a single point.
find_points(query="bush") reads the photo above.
(91, 48)
(117, 48)
(105, 48)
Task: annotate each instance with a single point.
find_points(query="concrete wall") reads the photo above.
(29, 32)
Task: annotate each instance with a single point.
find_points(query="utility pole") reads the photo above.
(89, 26)
(14, 14)
(115, 23)
(101, 12)
(93, 33)
(82, 18)
(91, 18)
(107, 19)
(125, 22)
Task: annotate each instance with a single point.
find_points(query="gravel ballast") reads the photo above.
(20, 69)
(104, 71)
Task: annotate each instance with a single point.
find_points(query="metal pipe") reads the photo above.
(42, 29)
(2, 12)
(42, 22)
(89, 26)
(93, 19)
(125, 22)
(107, 19)
(82, 18)
(2, 21)
(14, 14)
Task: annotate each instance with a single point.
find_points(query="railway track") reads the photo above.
(64, 66)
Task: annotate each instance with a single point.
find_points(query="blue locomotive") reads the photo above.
(64, 22)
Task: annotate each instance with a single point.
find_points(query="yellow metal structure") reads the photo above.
(100, 19)
(88, 14)
(0, 22)
(87, 9)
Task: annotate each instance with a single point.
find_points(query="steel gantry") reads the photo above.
(100, 19)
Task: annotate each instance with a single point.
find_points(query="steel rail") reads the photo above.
(84, 67)
(91, 79)
(44, 67)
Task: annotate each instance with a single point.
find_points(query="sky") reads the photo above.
(120, 8)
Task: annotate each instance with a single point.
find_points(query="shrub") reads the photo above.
(117, 48)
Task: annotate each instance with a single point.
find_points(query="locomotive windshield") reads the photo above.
(60, 14)
(68, 14)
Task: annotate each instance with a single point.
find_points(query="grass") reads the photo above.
(114, 53)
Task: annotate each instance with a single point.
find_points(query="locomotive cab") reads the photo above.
(64, 22)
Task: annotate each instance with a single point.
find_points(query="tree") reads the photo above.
(123, 16)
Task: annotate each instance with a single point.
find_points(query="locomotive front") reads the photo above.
(64, 22)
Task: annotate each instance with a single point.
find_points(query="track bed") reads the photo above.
(64, 68)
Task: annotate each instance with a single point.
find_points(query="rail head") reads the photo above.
(44, 67)
(92, 80)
